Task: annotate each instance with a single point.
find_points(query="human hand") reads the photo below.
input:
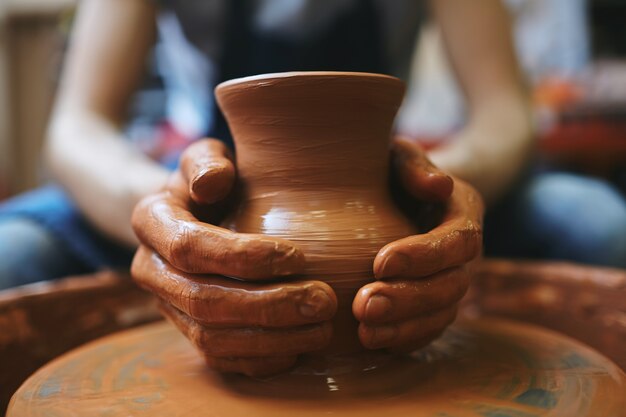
(421, 278)
(239, 324)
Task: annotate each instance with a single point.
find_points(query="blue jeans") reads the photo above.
(31, 253)
(560, 216)
(44, 236)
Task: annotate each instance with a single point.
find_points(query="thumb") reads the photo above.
(418, 175)
(207, 166)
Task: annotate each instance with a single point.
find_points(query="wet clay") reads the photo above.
(476, 369)
(313, 210)
(312, 161)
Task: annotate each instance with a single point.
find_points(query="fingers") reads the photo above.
(208, 170)
(222, 302)
(419, 176)
(409, 333)
(164, 222)
(384, 302)
(250, 342)
(456, 241)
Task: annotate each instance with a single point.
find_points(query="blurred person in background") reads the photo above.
(548, 213)
(52, 234)
(86, 224)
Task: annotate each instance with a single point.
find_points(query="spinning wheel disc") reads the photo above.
(481, 368)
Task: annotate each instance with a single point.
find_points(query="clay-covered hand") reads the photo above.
(421, 278)
(241, 324)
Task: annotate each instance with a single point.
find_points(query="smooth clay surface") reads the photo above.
(312, 161)
(483, 368)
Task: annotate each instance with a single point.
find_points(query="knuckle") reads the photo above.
(190, 299)
(245, 265)
(138, 217)
(241, 249)
(209, 341)
(472, 237)
(180, 250)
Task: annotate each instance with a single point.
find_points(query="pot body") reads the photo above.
(312, 159)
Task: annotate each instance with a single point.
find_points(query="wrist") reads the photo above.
(490, 152)
(147, 177)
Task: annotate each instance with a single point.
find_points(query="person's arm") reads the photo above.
(85, 147)
(495, 144)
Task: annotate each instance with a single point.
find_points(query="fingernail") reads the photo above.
(395, 264)
(317, 305)
(383, 335)
(445, 183)
(377, 307)
(434, 173)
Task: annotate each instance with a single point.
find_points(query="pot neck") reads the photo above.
(312, 130)
(323, 157)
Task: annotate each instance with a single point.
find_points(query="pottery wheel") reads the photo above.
(484, 368)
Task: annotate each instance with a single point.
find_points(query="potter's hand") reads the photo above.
(239, 325)
(421, 278)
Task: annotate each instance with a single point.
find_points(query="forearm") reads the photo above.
(493, 148)
(86, 150)
(105, 175)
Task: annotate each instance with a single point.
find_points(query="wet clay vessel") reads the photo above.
(312, 161)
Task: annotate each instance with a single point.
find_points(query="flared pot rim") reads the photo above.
(261, 79)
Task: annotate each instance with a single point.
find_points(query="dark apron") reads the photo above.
(352, 42)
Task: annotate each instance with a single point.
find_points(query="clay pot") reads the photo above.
(312, 158)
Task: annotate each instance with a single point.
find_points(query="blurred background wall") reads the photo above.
(31, 44)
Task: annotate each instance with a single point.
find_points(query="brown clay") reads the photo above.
(312, 164)
(480, 368)
(325, 136)
(212, 309)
